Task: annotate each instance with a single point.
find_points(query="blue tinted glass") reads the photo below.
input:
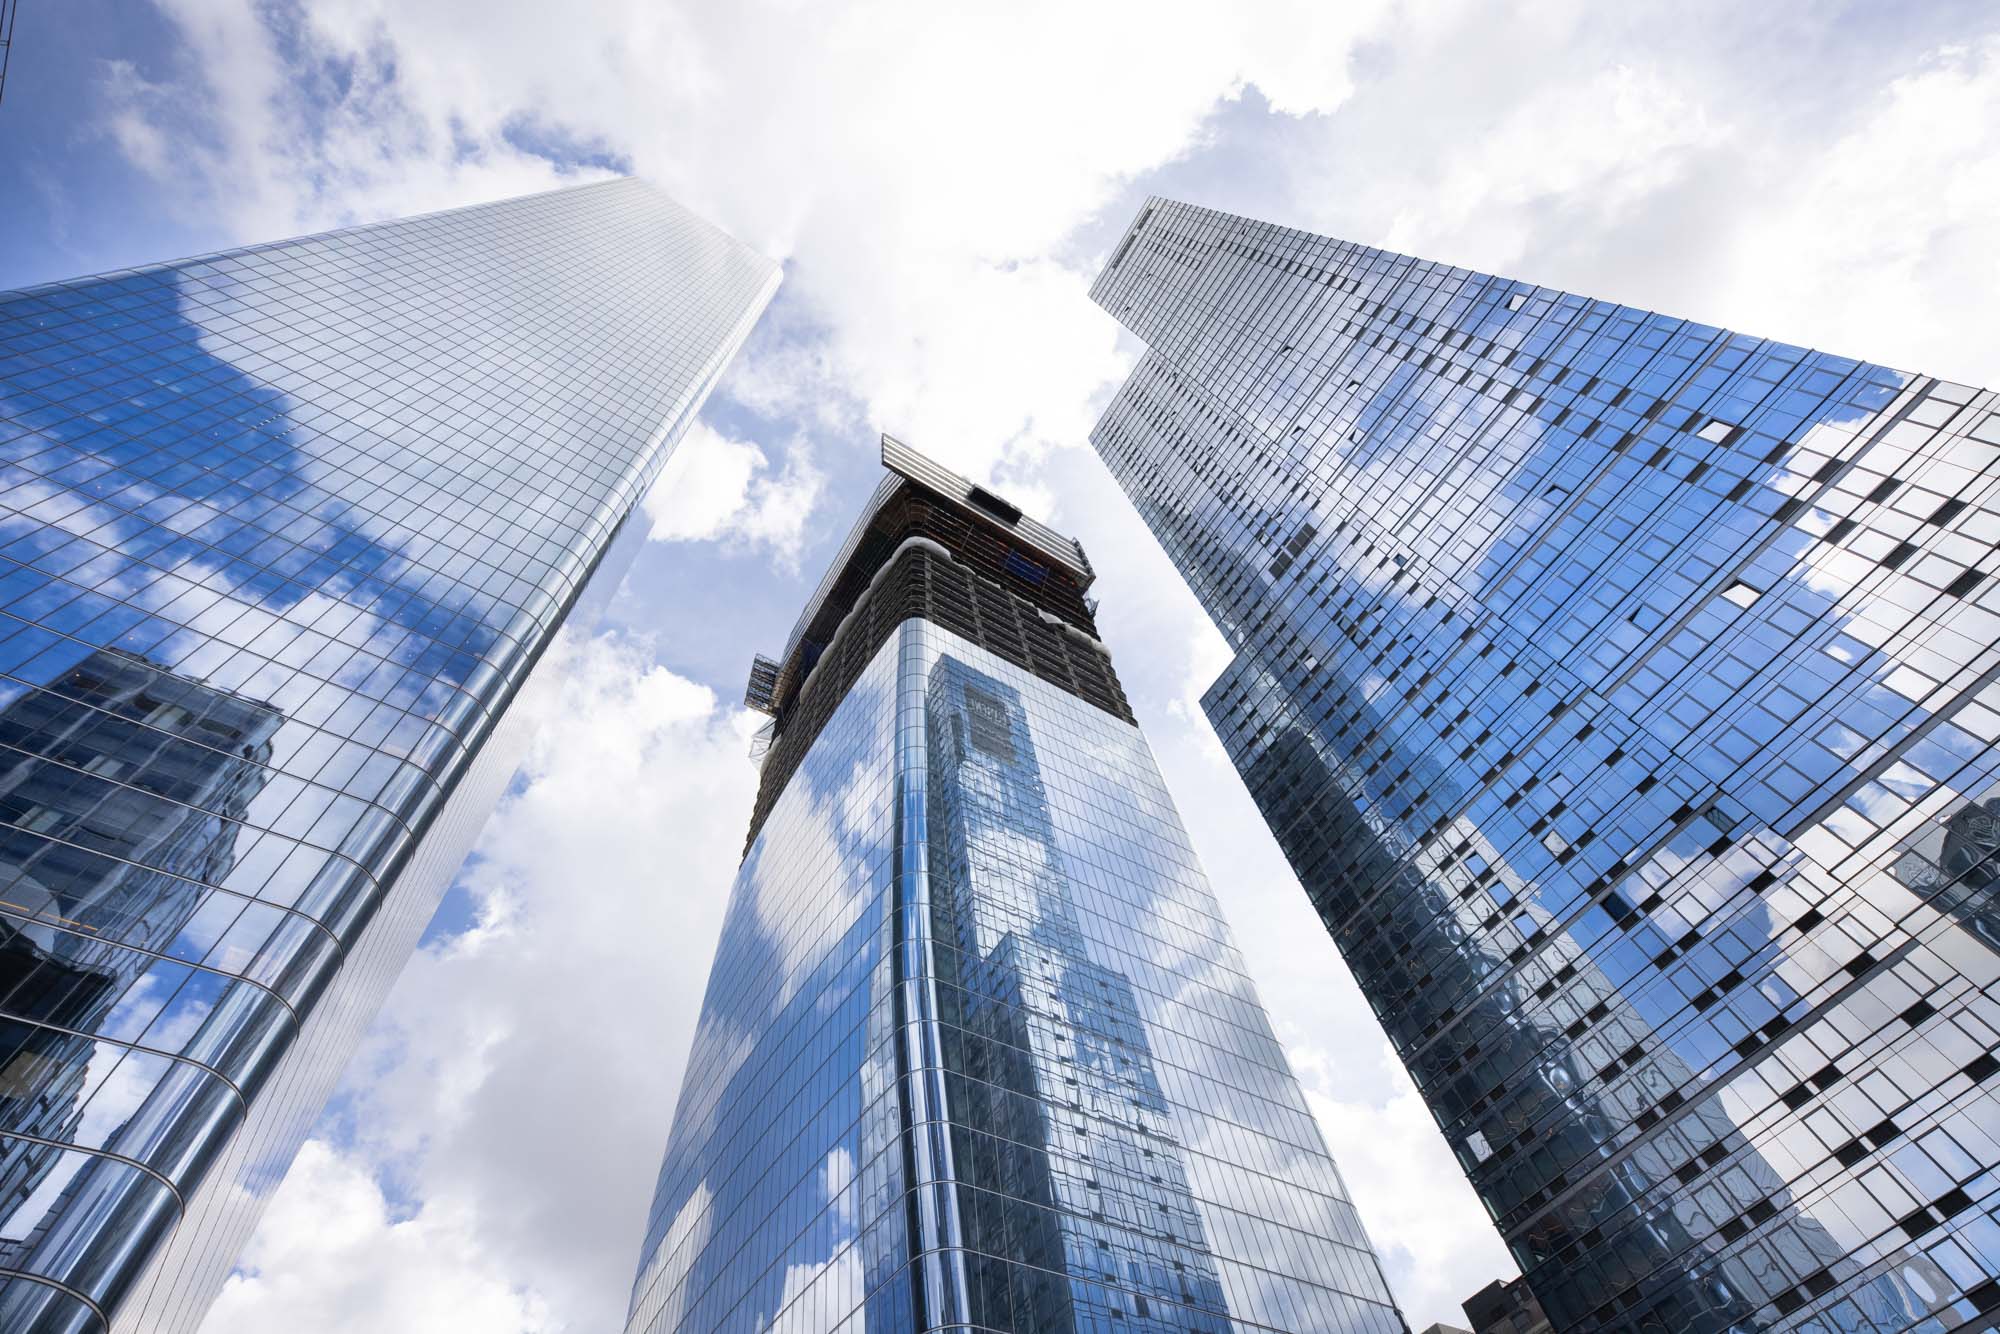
(978, 1052)
(1623, 691)
(283, 532)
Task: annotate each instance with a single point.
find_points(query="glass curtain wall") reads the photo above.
(1625, 692)
(284, 532)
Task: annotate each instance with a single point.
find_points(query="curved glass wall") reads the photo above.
(283, 531)
(978, 1054)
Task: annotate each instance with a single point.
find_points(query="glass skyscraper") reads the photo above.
(283, 534)
(1625, 693)
(977, 1053)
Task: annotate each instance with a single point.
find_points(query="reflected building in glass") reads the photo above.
(977, 1051)
(284, 533)
(1624, 692)
(102, 880)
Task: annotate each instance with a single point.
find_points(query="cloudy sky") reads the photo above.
(941, 183)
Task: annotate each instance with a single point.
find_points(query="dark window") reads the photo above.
(993, 505)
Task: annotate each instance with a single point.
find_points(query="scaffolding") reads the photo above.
(761, 693)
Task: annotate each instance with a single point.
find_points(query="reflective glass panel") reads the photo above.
(1625, 693)
(978, 1052)
(283, 533)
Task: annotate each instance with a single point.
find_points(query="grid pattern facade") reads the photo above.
(955, 573)
(1623, 691)
(977, 1052)
(283, 533)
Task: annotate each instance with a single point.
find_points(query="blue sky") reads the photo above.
(941, 186)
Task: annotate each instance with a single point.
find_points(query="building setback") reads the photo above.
(977, 1051)
(283, 534)
(1623, 692)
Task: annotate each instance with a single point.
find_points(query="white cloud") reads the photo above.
(918, 167)
(521, 1080)
(1820, 176)
(142, 143)
(716, 488)
(1891, 232)
(331, 1258)
(1431, 1232)
(929, 174)
(1601, 145)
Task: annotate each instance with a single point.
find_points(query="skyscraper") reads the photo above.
(81, 850)
(977, 1052)
(283, 535)
(1623, 691)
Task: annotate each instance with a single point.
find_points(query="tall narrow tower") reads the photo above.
(1625, 693)
(283, 535)
(977, 1051)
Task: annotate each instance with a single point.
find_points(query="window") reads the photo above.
(993, 505)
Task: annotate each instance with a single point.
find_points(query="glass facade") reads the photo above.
(1625, 693)
(977, 1053)
(283, 533)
